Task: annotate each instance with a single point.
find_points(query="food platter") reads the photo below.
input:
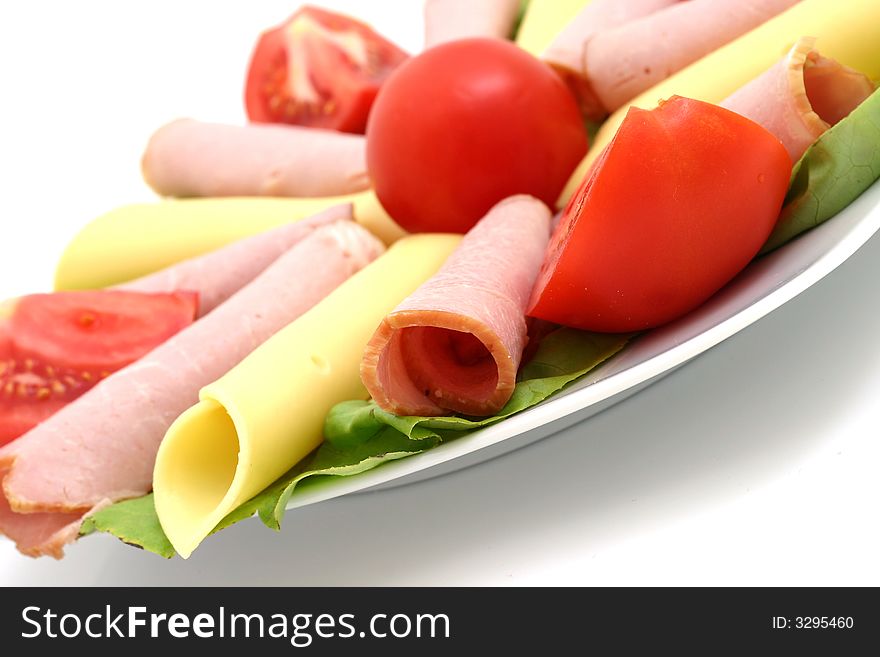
(764, 286)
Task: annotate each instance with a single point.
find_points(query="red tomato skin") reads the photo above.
(97, 330)
(465, 125)
(269, 51)
(347, 89)
(680, 202)
(49, 356)
(17, 420)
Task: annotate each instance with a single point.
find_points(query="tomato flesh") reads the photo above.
(318, 69)
(102, 330)
(680, 201)
(466, 124)
(55, 347)
(31, 391)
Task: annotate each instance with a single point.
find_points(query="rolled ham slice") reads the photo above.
(448, 20)
(618, 62)
(801, 96)
(192, 158)
(217, 275)
(456, 343)
(567, 52)
(102, 447)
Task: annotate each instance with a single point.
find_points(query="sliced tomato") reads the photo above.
(98, 330)
(55, 347)
(680, 201)
(318, 69)
(17, 419)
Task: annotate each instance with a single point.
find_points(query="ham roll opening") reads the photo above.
(801, 96)
(456, 343)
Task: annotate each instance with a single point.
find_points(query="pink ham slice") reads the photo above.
(191, 158)
(102, 447)
(448, 20)
(39, 534)
(567, 52)
(455, 344)
(620, 62)
(801, 96)
(217, 275)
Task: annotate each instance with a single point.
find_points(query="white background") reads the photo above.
(755, 464)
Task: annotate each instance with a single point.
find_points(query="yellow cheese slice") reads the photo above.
(370, 214)
(267, 413)
(7, 308)
(135, 240)
(543, 20)
(847, 30)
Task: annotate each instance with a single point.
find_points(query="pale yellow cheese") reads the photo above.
(135, 240)
(847, 30)
(543, 20)
(7, 308)
(267, 413)
(370, 214)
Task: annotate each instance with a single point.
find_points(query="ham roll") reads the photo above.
(456, 343)
(192, 158)
(217, 275)
(102, 447)
(448, 20)
(567, 52)
(619, 48)
(801, 96)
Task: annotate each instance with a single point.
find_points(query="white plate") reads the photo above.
(762, 287)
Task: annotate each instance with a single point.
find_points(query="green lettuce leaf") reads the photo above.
(835, 170)
(564, 355)
(520, 15)
(360, 436)
(134, 522)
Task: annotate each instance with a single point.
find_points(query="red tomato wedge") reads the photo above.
(318, 69)
(681, 200)
(54, 347)
(19, 407)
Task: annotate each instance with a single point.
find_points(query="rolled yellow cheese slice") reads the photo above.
(139, 239)
(267, 413)
(847, 30)
(543, 20)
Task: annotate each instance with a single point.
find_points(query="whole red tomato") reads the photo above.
(675, 207)
(465, 125)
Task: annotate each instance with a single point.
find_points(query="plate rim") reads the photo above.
(863, 212)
